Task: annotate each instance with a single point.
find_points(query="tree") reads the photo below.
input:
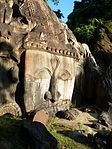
(87, 16)
(54, 1)
(59, 14)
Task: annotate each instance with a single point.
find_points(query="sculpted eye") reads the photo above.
(64, 75)
(43, 73)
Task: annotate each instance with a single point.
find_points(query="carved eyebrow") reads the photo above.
(64, 75)
(43, 70)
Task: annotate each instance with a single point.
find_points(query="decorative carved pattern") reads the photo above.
(11, 108)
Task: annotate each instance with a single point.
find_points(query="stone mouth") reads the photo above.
(53, 107)
(60, 105)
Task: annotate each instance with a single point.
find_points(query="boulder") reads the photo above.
(41, 116)
(39, 136)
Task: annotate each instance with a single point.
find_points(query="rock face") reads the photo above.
(102, 46)
(46, 55)
(8, 81)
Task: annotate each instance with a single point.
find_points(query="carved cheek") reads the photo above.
(63, 80)
(37, 84)
(60, 87)
(43, 76)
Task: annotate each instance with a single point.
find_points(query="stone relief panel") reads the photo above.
(64, 82)
(37, 78)
(65, 77)
(48, 75)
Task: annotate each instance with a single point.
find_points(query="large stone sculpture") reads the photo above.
(8, 81)
(46, 53)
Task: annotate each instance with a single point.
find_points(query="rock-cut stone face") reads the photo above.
(48, 72)
(47, 53)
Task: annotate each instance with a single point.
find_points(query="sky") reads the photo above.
(66, 7)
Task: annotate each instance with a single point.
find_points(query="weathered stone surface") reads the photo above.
(54, 73)
(42, 117)
(106, 117)
(8, 81)
(71, 114)
(40, 136)
(10, 108)
(48, 55)
(101, 45)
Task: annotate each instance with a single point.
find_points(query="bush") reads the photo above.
(85, 31)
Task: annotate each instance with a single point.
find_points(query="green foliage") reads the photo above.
(64, 141)
(85, 32)
(8, 125)
(87, 16)
(95, 22)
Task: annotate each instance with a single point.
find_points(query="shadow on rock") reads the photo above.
(39, 136)
(75, 135)
(16, 133)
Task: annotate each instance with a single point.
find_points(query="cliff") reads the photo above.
(42, 60)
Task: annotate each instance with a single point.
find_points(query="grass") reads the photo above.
(8, 124)
(10, 133)
(10, 129)
(65, 142)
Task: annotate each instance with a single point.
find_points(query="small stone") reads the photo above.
(41, 116)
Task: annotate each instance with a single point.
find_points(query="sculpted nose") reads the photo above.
(52, 96)
(47, 95)
(56, 95)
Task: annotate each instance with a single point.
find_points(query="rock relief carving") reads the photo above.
(8, 81)
(25, 26)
